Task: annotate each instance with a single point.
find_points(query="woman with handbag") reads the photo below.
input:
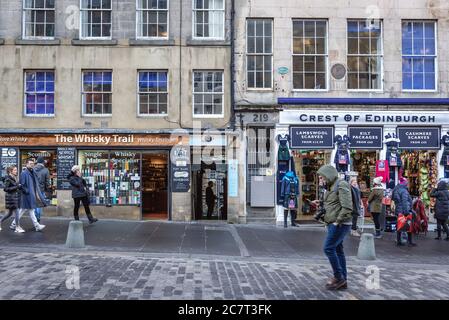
(403, 210)
(375, 200)
(79, 193)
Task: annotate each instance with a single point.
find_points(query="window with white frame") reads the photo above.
(152, 18)
(208, 93)
(419, 55)
(97, 92)
(209, 18)
(38, 19)
(39, 93)
(365, 54)
(259, 53)
(310, 54)
(96, 19)
(153, 92)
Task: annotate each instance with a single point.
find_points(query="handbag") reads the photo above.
(404, 223)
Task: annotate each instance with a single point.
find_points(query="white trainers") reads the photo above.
(355, 233)
(19, 230)
(40, 227)
(12, 227)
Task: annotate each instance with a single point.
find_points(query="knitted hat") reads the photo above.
(378, 180)
(403, 181)
(40, 160)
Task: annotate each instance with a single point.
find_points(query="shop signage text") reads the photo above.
(233, 178)
(143, 140)
(8, 157)
(180, 169)
(419, 138)
(66, 159)
(312, 137)
(361, 117)
(365, 137)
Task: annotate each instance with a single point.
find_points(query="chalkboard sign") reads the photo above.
(66, 159)
(180, 168)
(8, 157)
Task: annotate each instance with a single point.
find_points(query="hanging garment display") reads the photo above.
(284, 151)
(342, 159)
(383, 170)
(445, 157)
(290, 190)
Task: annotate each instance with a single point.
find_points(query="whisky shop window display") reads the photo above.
(50, 159)
(124, 185)
(94, 168)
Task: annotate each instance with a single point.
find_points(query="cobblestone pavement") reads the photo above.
(51, 275)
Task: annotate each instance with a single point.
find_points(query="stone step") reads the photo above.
(261, 220)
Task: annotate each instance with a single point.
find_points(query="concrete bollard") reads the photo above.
(366, 250)
(75, 235)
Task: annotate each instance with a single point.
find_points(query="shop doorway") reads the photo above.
(213, 176)
(307, 163)
(155, 185)
(364, 168)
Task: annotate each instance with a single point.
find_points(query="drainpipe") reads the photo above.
(232, 65)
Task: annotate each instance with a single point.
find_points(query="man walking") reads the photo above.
(338, 207)
(31, 195)
(210, 199)
(43, 175)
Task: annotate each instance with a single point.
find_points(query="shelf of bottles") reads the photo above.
(124, 175)
(94, 168)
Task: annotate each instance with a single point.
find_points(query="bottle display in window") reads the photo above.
(94, 168)
(124, 178)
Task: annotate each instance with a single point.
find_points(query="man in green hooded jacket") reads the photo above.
(338, 218)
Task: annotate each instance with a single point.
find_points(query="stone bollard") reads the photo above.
(366, 250)
(75, 235)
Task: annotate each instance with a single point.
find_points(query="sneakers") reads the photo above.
(40, 227)
(12, 227)
(19, 230)
(93, 220)
(355, 233)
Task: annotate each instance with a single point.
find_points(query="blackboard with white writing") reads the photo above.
(66, 159)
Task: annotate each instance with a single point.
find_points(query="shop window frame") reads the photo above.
(380, 56)
(35, 92)
(214, 10)
(304, 55)
(139, 24)
(420, 56)
(255, 54)
(205, 93)
(167, 93)
(84, 94)
(90, 11)
(33, 9)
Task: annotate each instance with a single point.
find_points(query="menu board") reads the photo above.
(8, 157)
(180, 169)
(66, 159)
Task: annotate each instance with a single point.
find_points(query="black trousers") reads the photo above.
(441, 223)
(85, 201)
(210, 209)
(293, 214)
(376, 218)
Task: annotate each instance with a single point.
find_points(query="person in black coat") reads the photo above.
(12, 188)
(210, 199)
(79, 193)
(441, 193)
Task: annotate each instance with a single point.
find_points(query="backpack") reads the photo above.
(353, 196)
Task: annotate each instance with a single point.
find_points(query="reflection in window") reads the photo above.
(365, 54)
(419, 55)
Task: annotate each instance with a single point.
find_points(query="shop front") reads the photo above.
(365, 144)
(129, 176)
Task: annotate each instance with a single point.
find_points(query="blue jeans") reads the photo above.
(38, 213)
(333, 248)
